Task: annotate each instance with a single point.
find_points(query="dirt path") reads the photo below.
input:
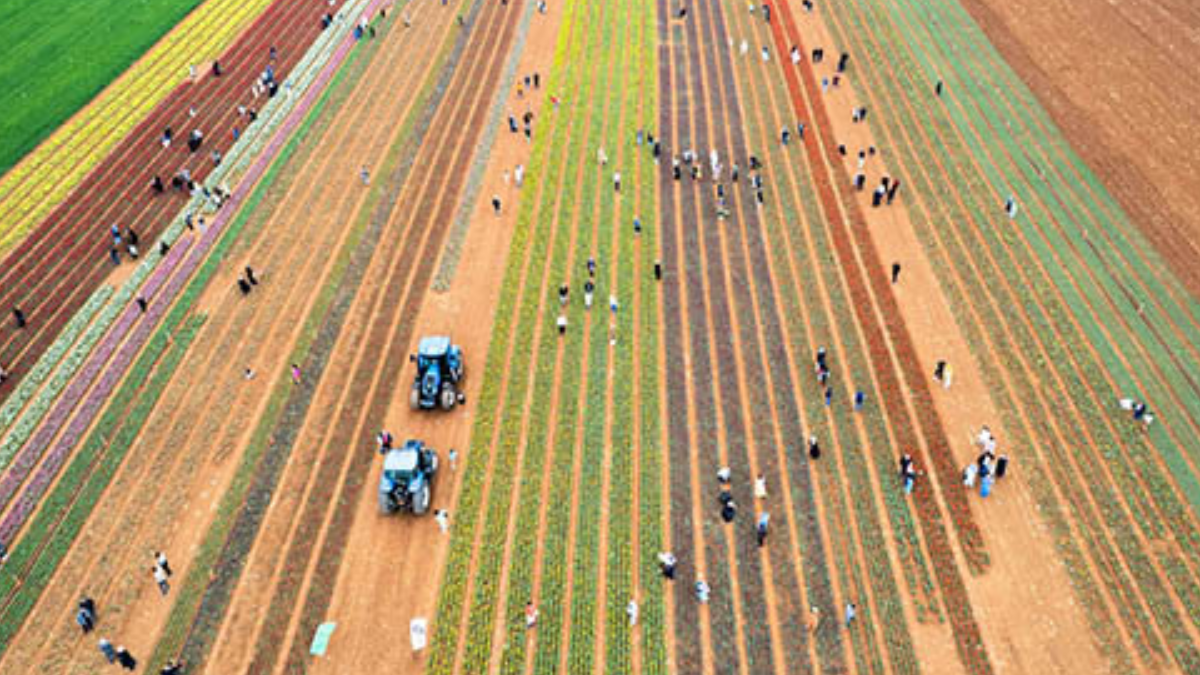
(425, 194)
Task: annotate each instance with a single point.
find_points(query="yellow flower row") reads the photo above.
(47, 175)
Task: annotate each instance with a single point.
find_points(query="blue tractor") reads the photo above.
(440, 369)
(407, 480)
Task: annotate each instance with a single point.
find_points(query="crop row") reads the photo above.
(355, 256)
(48, 174)
(852, 226)
(452, 597)
(44, 369)
(261, 204)
(856, 368)
(760, 343)
(1113, 348)
(542, 405)
(1078, 576)
(651, 506)
(51, 275)
(684, 294)
(1099, 424)
(434, 207)
(615, 245)
(452, 252)
(857, 480)
(81, 350)
(53, 531)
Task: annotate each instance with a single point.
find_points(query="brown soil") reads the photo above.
(1119, 79)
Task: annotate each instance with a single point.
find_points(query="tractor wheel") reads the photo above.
(414, 398)
(421, 501)
(448, 397)
(386, 507)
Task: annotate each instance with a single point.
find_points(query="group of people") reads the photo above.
(130, 242)
(988, 467)
(87, 617)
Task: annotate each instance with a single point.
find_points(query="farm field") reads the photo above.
(58, 57)
(741, 283)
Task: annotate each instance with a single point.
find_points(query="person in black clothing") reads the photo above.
(126, 659)
(172, 668)
(250, 276)
(841, 66)
(814, 448)
(728, 509)
(657, 270)
(895, 272)
(156, 185)
(19, 316)
(243, 286)
(216, 69)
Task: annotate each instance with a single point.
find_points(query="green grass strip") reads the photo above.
(60, 53)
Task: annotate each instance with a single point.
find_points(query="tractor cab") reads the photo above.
(407, 477)
(439, 370)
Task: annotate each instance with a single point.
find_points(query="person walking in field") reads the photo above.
(160, 578)
(666, 565)
(19, 317)
(631, 610)
(860, 399)
(589, 290)
(85, 616)
(939, 370)
(1011, 207)
(160, 559)
(442, 517)
(702, 591)
(760, 487)
(531, 615)
(617, 181)
(895, 272)
(851, 614)
(295, 374)
(496, 204)
(813, 622)
(365, 175)
(453, 457)
(107, 649)
(764, 521)
(125, 659)
(891, 194)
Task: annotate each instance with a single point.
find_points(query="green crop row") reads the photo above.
(1093, 376)
(523, 555)
(925, 187)
(595, 215)
(651, 507)
(1094, 420)
(1114, 347)
(1052, 246)
(618, 584)
(530, 236)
